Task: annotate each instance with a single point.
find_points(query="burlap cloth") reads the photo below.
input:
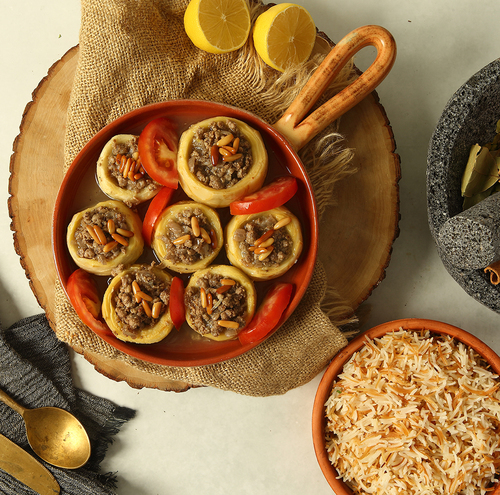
(134, 53)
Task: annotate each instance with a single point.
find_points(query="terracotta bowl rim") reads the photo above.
(337, 363)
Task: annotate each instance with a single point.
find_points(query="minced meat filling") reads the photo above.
(252, 231)
(129, 150)
(224, 174)
(228, 306)
(87, 247)
(132, 313)
(195, 248)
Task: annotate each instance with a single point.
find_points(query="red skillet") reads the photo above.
(292, 131)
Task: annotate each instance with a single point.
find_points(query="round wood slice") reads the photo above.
(364, 220)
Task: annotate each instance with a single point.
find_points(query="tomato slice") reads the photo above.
(157, 205)
(275, 194)
(84, 296)
(268, 315)
(158, 151)
(177, 311)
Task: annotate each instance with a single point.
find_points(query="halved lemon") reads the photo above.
(217, 26)
(284, 35)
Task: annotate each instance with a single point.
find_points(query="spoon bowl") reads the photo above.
(54, 434)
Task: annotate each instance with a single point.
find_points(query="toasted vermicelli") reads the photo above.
(415, 413)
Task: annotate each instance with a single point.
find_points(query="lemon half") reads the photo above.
(217, 26)
(284, 35)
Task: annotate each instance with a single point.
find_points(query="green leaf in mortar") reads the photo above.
(481, 171)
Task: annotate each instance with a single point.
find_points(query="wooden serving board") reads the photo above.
(356, 236)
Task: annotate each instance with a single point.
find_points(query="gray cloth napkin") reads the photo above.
(35, 370)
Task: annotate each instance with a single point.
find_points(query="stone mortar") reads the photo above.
(469, 118)
(471, 239)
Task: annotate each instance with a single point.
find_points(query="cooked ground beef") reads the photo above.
(129, 311)
(86, 246)
(225, 174)
(251, 231)
(195, 248)
(231, 305)
(128, 150)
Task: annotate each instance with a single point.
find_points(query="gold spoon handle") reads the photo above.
(11, 403)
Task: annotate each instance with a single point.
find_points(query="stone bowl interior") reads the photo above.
(469, 117)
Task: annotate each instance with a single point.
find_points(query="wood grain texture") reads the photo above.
(356, 235)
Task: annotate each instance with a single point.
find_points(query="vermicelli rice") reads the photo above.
(415, 413)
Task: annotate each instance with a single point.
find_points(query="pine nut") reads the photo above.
(203, 297)
(126, 168)
(111, 226)
(210, 302)
(228, 324)
(146, 308)
(118, 158)
(205, 236)
(267, 243)
(138, 176)
(144, 296)
(260, 250)
(264, 237)
(225, 153)
(225, 140)
(223, 288)
(263, 256)
(195, 225)
(125, 233)
(120, 239)
(236, 144)
(156, 310)
(135, 287)
(281, 223)
(214, 155)
(181, 240)
(100, 235)
(91, 231)
(227, 281)
(230, 149)
(123, 161)
(135, 155)
(231, 158)
(109, 246)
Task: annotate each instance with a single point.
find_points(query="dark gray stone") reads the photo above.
(469, 117)
(471, 239)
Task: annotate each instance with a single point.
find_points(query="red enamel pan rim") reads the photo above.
(196, 110)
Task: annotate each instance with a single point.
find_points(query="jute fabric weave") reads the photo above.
(133, 53)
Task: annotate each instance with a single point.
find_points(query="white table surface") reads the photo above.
(206, 441)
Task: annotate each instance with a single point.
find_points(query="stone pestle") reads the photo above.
(471, 239)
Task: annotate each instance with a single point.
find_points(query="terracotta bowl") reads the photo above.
(337, 364)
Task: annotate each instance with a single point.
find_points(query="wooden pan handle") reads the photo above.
(300, 132)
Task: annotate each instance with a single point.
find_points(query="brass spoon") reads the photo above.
(54, 434)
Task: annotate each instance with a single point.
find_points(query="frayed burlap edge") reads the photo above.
(301, 348)
(261, 372)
